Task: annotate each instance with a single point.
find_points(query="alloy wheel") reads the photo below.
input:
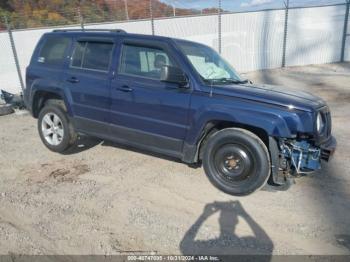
(52, 129)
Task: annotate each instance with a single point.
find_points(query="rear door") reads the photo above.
(145, 111)
(88, 79)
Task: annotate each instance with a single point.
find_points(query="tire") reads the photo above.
(53, 122)
(6, 110)
(236, 161)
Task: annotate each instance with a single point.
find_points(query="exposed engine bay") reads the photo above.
(302, 156)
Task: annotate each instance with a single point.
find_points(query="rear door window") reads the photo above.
(92, 55)
(53, 51)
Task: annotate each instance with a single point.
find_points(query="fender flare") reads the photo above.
(55, 91)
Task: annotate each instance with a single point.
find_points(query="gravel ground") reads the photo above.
(101, 198)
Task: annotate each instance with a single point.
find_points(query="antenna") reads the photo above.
(211, 81)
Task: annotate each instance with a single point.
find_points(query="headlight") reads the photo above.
(319, 123)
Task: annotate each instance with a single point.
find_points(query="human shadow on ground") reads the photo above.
(228, 242)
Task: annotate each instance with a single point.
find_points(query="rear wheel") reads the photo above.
(55, 130)
(236, 161)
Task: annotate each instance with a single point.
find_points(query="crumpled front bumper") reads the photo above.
(328, 148)
(301, 156)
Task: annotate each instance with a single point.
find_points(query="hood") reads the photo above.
(276, 95)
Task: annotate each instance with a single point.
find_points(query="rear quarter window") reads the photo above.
(53, 51)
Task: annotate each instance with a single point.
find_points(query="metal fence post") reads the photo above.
(345, 31)
(81, 18)
(285, 34)
(151, 14)
(219, 26)
(13, 47)
(174, 9)
(126, 9)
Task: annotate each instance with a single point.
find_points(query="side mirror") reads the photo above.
(173, 74)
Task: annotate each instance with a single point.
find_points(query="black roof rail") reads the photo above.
(91, 30)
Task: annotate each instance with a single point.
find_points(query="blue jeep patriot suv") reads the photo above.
(177, 98)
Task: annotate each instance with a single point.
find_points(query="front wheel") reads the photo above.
(236, 161)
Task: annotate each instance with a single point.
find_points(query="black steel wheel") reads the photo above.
(236, 161)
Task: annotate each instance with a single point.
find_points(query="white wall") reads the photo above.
(253, 41)
(347, 49)
(8, 75)
(315, 35)
(202, 29)
(250, 41)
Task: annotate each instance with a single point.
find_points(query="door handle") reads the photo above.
(125, 88)
(73, 80)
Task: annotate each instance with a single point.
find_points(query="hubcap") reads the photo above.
(52, 129)
(233, 162)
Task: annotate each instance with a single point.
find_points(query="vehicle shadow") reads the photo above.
(140, 151)
(87, 142)
(83, 143)
(228, 242)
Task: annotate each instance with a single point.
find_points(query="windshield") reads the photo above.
(209, 64)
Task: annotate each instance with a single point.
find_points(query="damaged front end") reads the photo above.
(295, 157)
(301, 156)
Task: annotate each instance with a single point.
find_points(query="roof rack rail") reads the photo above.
(91, 30)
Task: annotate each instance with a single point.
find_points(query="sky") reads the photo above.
(247, 5)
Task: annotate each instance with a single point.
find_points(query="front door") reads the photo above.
(145, 111)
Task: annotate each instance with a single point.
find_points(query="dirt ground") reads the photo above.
(101, 198)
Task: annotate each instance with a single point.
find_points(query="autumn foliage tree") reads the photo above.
(39, 13)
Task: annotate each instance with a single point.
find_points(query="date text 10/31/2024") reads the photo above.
(172, 258)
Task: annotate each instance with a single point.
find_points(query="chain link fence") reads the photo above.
(280, 34)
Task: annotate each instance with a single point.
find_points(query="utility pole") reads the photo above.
(126, 9)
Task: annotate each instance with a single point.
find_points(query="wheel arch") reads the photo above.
(40, 98)
(216, 125)
(193, 154)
